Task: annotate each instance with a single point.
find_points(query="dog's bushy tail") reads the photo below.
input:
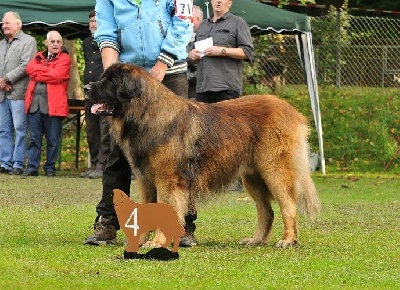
(308, 200)
(307, 197)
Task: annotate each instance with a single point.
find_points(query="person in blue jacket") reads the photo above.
(152, 34)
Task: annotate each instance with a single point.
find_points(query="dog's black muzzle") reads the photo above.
(105, 110)
(87, 89)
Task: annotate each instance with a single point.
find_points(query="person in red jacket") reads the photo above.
(46, 102)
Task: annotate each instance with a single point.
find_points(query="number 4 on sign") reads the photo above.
(135, 225)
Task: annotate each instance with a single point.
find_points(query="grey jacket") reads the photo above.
(13, 63)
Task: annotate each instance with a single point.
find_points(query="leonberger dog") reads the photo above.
(180, 149)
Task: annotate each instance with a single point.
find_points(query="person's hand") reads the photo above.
(213, 51)
(158, 70)
(3, 84)
(195, 55)
(8, 88)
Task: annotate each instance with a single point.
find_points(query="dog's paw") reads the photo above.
(251, 242)
(151, 245)
(286, 244)
(147, 245)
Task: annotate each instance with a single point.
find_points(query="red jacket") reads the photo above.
(55, 74)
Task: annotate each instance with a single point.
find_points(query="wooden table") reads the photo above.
(76, 112)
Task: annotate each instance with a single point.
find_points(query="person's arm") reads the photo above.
(175, 42)
(245, 49)
(28, 51)
(244, 40)
(106, 34)
(34, 66)
(109, 56)
(232, 52)
(57, 73)
(158, 70)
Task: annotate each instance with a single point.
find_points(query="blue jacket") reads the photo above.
(143, 34)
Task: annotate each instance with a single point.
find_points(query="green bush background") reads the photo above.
(360, 127)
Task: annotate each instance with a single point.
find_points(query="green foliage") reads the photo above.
(360, 126)
(328, 32)
(79, 58)
(282, 3)
(352, 245)
(266, 45)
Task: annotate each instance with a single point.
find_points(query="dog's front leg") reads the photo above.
(144, 238)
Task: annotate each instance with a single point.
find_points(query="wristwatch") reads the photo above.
(223, 51)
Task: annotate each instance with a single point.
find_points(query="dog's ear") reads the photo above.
(130, 86)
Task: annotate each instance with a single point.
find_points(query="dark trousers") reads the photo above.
(117, 173)
(98, 138)
(40, 125)
(214, 97)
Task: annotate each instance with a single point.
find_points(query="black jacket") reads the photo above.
(93, 64)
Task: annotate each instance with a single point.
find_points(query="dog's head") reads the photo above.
(118, 85)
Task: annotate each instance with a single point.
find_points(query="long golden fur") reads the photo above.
(180, 149)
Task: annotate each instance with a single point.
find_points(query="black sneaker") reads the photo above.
(104, 232)
(4, 170)
(50, 173)
(188, 240)
(28, 172)
(16, 171)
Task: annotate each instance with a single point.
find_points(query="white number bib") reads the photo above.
(184, 9)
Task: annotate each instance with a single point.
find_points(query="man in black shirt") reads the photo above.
(98, 137)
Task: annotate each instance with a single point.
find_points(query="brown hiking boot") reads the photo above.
(104, 232)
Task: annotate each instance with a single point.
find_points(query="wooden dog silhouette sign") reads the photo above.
(136, 219)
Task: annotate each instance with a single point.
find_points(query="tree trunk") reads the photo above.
(75, 86)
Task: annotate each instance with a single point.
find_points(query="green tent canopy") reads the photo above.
(70, 18)
(264, 18)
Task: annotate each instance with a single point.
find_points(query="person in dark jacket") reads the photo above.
(46, 102)
(98, 137)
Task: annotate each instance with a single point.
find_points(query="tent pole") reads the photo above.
(306, 53)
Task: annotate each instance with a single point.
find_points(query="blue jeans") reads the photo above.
(12, 123)
(51, 127)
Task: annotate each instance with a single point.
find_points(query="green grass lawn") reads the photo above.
(353, 244)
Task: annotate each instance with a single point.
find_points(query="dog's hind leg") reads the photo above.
(148, 194)
(159, 240)
(283, 189)
(175, 240)
(260, 193)
(168, 240)
(178, 198)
